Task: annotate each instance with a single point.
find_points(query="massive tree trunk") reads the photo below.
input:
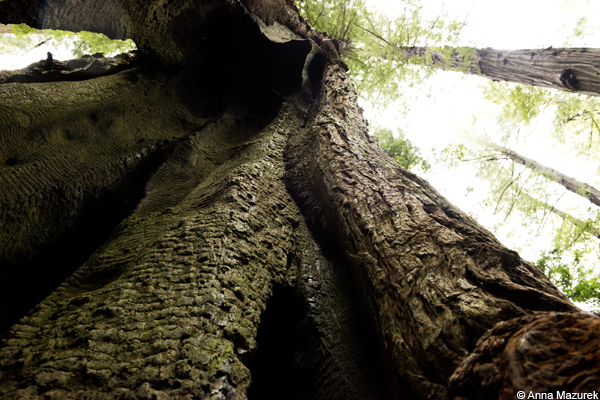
(584, 190)
(569, 69)
(220, 225)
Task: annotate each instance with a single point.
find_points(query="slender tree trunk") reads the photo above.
(587, 226)
(582, 189)
(569, 69)
(231, 230)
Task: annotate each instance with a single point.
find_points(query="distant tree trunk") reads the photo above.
(231, 230)
(582, 189)
(569, 69)
(587, 226)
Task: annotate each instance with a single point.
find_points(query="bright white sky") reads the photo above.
(29, 56)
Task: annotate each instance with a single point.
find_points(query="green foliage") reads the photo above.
(578, 283)
(338, 18)
(520, 102)
(577, 123)
(519, 196)
(27, 38)
(91, 43)
(374, 44)
(576, 117)
(453, 155)
(22, 30)
(402, 150)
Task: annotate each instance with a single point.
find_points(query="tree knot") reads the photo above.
(569, 79)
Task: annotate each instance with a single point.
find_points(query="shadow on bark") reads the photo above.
(275, 375)
(29, 278)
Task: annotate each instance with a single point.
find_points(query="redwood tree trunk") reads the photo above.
(233, 231)
(568, 69)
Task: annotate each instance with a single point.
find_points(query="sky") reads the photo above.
(20, 58)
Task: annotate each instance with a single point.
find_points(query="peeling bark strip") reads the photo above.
(87, 67)
(570, 69)
(582, 189)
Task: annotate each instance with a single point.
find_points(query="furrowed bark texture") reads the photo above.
(228, 235)
(433, 279)
(74, 160)
(168, 304)
(540, 353)
(570, 69)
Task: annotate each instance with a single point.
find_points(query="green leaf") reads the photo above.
(402, 150)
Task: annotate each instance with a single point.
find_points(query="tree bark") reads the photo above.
(570, 69)
(226, 228)
(102, 16)
(582, 189)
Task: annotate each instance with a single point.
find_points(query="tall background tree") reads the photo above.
(220, 225)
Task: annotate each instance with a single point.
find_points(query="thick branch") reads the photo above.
(564, 215)
(569, 69)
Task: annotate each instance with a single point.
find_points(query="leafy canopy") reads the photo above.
(402, 150)
(373, 44)
(577, 282)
